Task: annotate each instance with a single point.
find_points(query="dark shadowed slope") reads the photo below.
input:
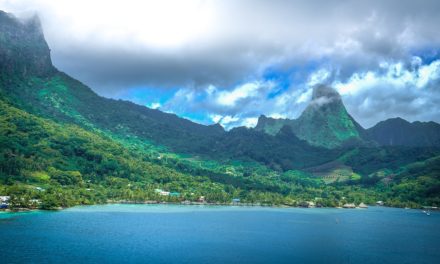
(399, 132)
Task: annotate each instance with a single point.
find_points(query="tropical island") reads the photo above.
(62, 145)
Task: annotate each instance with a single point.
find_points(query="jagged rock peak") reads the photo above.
(320, 91)
(23, 49)
(217, 126)
(30, 22)
(262, 118)
(323, 94)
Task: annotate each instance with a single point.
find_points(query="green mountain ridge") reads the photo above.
(397, 132)
(325, 122)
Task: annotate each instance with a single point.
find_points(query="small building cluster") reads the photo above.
(307, 204)
(166, 193)
(352, 205)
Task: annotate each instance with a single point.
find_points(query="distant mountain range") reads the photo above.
(325, 122)
(324, 142)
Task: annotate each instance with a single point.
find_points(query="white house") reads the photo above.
(162, 192)
(4, 199)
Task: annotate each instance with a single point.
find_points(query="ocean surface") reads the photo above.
(204, 234)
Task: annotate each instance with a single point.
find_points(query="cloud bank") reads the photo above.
(230, 61)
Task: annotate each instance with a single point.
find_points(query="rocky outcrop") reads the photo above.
(23, 49)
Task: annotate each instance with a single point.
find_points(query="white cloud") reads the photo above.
(318, 77)
(228, 119)
(155, 105)
(357, 81)
(157, 24)
(396, 76)
(428, 73)
(230, 98)
(250, 122)
(215, 118)
(277, 115)
(305, 96)
(229, 122)
(410, 92)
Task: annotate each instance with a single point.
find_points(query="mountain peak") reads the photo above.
(325, 122)
(217, 127)
(323, 91)
(270, 125)
(8, 19)
(323, 95)
(23, 49)
(397, 120)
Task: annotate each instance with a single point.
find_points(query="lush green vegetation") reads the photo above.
(63, 165)
(48, 165)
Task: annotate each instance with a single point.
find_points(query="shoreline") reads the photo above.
(189, 203)
(21, 210)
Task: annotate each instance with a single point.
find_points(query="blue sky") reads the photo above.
(231, 61)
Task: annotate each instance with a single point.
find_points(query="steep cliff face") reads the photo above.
(325, 122)
(23, 49)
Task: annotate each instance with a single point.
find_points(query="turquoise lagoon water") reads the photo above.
(203, 234)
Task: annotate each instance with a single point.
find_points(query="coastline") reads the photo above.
(189, 203)
(21, 210)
